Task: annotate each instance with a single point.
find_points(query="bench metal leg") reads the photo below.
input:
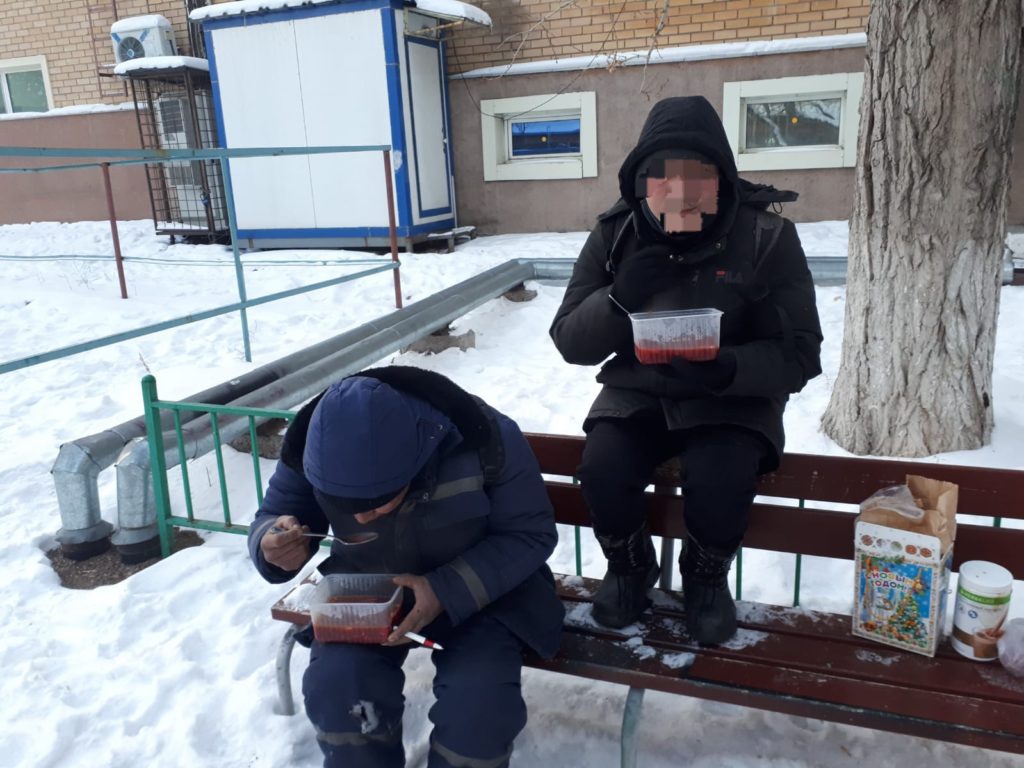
(630, 721)
(285, 703)
(668, 562)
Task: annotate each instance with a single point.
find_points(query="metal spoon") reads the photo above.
(349, 540)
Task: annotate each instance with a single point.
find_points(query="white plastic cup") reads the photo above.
(982, 603)
(692, 334)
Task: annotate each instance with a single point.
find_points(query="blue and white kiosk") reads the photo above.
(335, 72)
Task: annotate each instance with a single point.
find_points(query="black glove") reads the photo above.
(642, 274)
(712, 375)
(678, 380)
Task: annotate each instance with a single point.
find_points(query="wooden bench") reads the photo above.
(785, 659)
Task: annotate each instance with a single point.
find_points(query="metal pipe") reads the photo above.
(356, 350)
(79, 463)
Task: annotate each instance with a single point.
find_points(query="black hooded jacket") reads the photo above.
(746, 262)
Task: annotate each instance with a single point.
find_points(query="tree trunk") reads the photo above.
(928, 227)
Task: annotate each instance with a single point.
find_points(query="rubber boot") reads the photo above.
(632, 571)
(710, 610)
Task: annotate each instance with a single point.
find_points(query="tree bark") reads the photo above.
(928, 227)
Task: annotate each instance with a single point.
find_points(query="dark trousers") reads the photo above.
(354, 698)
(720, 467)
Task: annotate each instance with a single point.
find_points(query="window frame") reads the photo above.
(847, 86)
(495, 119)
(23, 64)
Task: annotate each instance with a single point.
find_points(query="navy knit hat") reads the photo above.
(366, 442)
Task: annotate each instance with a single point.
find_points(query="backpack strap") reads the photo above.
(767, 228)
(612, 263)
(492, 454)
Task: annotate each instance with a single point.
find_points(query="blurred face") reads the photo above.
(365, 517)
(688, 189)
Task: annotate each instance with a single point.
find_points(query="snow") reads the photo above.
(175, 666)
(161, 62)
(242, 7)
(78, 109)
(454, 9)
(673, 55)
(138, 23)
(447, 8)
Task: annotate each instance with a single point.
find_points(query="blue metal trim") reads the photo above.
(288, 14)
(218, 115)
(393, 71)
(404, 231)
(435, 212)
(412, 117)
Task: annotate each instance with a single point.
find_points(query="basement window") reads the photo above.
(539, 137)
(793, 122)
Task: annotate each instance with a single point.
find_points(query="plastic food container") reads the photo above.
(692, 334)
(355, 607)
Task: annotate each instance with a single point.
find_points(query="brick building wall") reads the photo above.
(74, 35)
(531, 30)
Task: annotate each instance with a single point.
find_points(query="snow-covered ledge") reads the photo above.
(154, 63)
(673, 55)
(78, 109)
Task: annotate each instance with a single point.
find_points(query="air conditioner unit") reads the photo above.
(142, 36)
(188, 200)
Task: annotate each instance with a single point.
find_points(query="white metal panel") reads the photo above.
(431, 164)
(345, 102)
(261, 106)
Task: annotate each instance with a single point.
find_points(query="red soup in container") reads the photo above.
(355, 607)
(691, 334)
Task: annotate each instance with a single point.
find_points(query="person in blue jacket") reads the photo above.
(456, 497)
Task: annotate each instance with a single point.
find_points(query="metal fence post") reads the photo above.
(105, 167)
(391, 226)
(154, 435)
(229, 200)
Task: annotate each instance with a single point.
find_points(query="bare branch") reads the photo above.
(654, 39)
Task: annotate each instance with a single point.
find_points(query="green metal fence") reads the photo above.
(166, 521)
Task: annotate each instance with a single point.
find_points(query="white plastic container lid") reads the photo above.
(985, 578)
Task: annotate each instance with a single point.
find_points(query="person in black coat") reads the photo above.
(687, 233)
(455, 497)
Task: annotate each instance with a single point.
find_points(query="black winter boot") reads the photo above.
(632, 570)
(710, 610)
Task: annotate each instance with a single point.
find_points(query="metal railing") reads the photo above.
(166, 521)
(128, 157)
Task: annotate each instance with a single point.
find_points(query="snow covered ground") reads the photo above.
(175, 666)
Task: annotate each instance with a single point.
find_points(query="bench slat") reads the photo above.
(840, 479)
(797, 639)
(796, 530)
(807, 694)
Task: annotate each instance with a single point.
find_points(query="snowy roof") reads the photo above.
(452, 9)
(152, 63)
(449, 9)
(670, 55)
(134, 23)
